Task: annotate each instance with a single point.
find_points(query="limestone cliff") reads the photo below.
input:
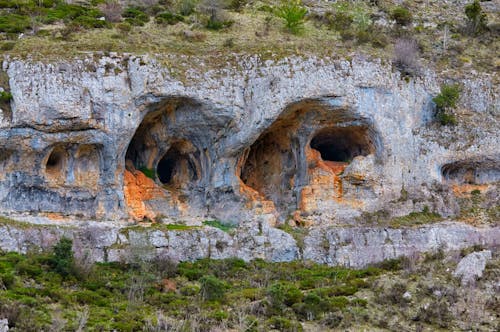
(317, 140)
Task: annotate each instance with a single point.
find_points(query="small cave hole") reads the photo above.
(56, 164)
(176, 168)
(342, 144)
(55, 161)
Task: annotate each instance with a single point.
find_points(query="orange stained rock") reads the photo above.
(464, 190)
(256, 199)
(324, 181)
(138, 189)
(55, 216)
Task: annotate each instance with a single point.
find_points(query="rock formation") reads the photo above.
(317, 141)
(320, 140)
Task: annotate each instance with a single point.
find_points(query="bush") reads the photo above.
(283, 294)
(186, 7)
(5, 97)
(448, 97)
(62, 259)
(406, 55)
(112, 11)
(124, 28)
(445, 101)
(341, 21)
(237, 5)
(476, 19)
(135, 16)
(168, 18)
(401, 15)
(284, 324)
(217, 18)
(212, 289)
(293, 13)
(14, 23)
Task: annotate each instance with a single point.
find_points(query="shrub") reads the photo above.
(283, 294)
(14, 23)
(168, 18)
(341, 21)
(62, 259)
(124, 27)
(293, 13)
(237, 5)
(135, 16)
(212, 289)
(7, 46)
(401, 15)
(186, 7)
(476, 19)
(5, 96)
(284, 324)
(112, 11)
(446, 100)
(406, 55)
(217, 19)
(437, 313)
(448, 97)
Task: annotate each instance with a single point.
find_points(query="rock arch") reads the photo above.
(296, 163)
(169, 159)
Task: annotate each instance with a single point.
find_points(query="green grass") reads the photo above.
(220, 225)
(416, 218)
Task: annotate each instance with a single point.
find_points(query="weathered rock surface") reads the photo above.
(247, 141)
(347, 246)
(4, 325)
(471, 267)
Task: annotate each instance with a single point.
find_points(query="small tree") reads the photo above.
(293, 13)
(212, 288)
(476, 19)
(62, 259)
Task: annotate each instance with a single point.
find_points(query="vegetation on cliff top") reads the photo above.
(444, 34)
(57, 292)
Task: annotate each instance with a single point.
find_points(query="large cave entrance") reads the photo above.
(342, 144)
(164, 162)
(300, 162)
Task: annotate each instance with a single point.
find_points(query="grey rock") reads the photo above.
(4, 325)
(471, 267)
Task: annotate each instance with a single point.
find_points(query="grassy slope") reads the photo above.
(260, 32)
(255, 296)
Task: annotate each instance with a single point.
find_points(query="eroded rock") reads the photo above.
(471, 267)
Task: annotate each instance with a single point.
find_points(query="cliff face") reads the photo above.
(316, 140)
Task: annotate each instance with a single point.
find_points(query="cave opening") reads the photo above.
(269, 169)
(342, 144)
(177, 167)
(56, 161)
(55, 165)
